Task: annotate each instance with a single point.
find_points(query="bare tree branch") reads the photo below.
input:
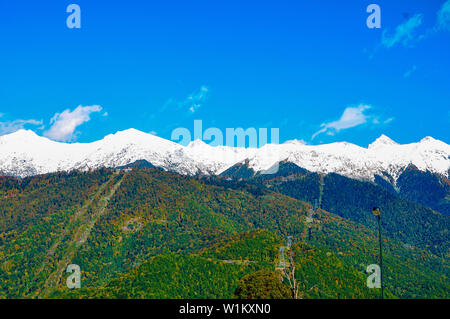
(289, 273)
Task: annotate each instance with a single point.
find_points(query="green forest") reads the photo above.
(155, 234)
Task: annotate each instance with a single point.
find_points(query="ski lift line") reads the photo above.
(311, 212)
(282, 262)
(321, 186)
(289, 242)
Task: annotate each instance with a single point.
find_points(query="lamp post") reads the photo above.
(376, 211)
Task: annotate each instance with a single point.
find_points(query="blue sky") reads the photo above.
(313, 69)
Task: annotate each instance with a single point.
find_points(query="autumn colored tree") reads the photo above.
(263, 284)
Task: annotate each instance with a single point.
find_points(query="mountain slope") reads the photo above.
(155, 213)
(23, 153)
(215, 272)
(432, 190)
(402, 219)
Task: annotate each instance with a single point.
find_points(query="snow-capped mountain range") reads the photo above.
(24, 153)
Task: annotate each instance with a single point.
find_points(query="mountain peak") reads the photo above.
(427, 139)
(134, 134)
(383, 140)
(197, 143)
(22, 134)
(130, 131)
(24, 149)
(295, 142)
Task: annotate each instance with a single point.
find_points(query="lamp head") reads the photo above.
(376, 211)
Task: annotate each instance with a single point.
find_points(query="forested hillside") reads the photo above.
(428, 189)
(402, 218)
(154, 234)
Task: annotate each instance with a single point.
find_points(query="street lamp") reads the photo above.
(376, 211)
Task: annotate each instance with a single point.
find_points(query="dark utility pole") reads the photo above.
(377, 213)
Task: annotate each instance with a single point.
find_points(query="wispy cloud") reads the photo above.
(196, 99)
(351, 117)
(389, 120)
(443, 17)
(8, 127)
(404, 34)
(408, 73)
(65, 123)
(191, 104)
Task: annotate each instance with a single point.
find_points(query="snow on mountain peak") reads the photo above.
(295, 142)
(383, 140)
(130, 134)
(136, 137)
(198, 143)
(24, 153)
(21, 134)
(428, 139)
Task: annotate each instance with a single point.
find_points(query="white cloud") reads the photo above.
(404, 33)
(190, 104)
(8, 127)
(410, 71)
(352, 116)
(65, 123)
(443, 17)
(389, 120)
(195, 100)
